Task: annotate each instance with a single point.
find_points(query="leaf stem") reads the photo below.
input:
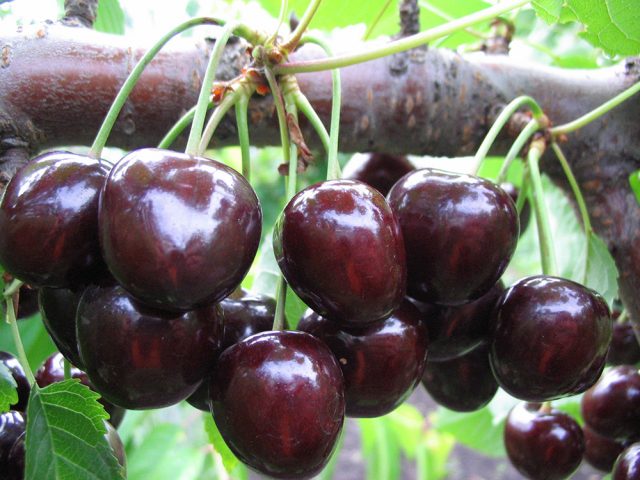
(112, 115)
(545, 238)
(597, 112)
(195, 133)
(518, 144)
(22, 355)
(242, 107)
(502, 119)
(399, 45)
(293, 40)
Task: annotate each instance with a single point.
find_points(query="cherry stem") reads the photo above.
(502, 119)
(178, 128)
(376, 20)
(242, 107)
(114, 111)
(545, 238)
(582, 206)
(597, 112)
(22, 355)
(293, 40)
(524, 189)
(303, 104)
(216, 117)
(284, 6)
(623, 317)
(545, 407)
(400, 45)
(195, 134)
(13, 288)
(444, 15)
(521, 140)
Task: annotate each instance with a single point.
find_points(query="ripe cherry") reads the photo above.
(625, 349)
(627, 466)
(177, 231)
(49, 220)
(382, 363)
(12, 431)
(17, 372)
(340, 248)
(278, 401)
(379, 170)
(549, 338)
(459, 231)
(601, 452)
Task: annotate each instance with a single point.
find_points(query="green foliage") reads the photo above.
(37, 342)
(110, 17)
(599, 270)
(65, 435)
(8, 392)
(229, 460)
(634, 181)
(548, 10)
(438, 12)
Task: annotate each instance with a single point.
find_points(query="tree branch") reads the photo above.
(80, 12)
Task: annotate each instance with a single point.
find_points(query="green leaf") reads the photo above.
(229, 460)
(65, 435)
(110, 17)
(432, 455)
(601, 271)
(609, 24)
(8, 389)
(35, 339)
(381, 452)
(438, 12)
(548, 10)
(406, 423)
(294, 309)
(634, 181)
(475, 430)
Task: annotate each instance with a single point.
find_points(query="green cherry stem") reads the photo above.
(401, 45)
(13, 288)
(22, 355)
(371, 27)
(524, 189)
(242, 107)
(216, 117)
(547, 250)
(178, 128)
(284, 6)
(597, 112)
(521, 140)
(445, 16)
(582, 206)
(303, 104)
(623, 317)
(293, 40)
(502, 119)
(112, 115)
(195, 134)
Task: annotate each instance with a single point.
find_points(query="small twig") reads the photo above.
(409, 18)
(80, 13)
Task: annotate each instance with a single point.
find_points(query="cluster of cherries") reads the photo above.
(137, 265)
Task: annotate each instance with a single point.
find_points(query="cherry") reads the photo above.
(17, 372)
(138, 357)
(459, 231)
(624, 349)
(48, 220)
(382, 363)
(58, 307)
(600, 451)
(27, 303)
(549, 338)
(612, 406)
(627, 466)
(12, 430)
(52, 371)
(178, 232)
(379, 170)
(278, 401)
(340, 248)
(525, 213)
(464, 383)
(543, 444)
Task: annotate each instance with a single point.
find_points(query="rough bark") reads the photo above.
(58, 83)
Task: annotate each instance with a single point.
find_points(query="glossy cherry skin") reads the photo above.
(245, 314)
(462, 384)
(178, 232)
(382, 363)
(52, 371)
(549, 338)
(17, 372)
(379, 170)
(28, 302)
(627, 466)
(601, 452)
(456, 330)
(138, 357)
(278, 401)
(543, 445)
(340, 248)
(525, 213)
(12, 430)
(460, 233)
(612, 406)
(58, 307)
(624, 349)
(49, 220)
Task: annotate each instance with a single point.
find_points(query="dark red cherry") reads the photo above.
(382, 363)
(138, 357)
(456, 330)
(459, 231)
(340, 248)
(601, 452)
(178, 232)
(627, 466)
(464, 383)
(28, 302)
(245, 314)
(278, 400)
(543, 445)
(624, 349)
(549, 338)
(12, 431)
(612, 406)
(525, 213)
(52, 371)
(49, 220)
(17, 372)
(58, 307)
(379, 170)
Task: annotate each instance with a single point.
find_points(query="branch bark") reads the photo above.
(58, 84)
